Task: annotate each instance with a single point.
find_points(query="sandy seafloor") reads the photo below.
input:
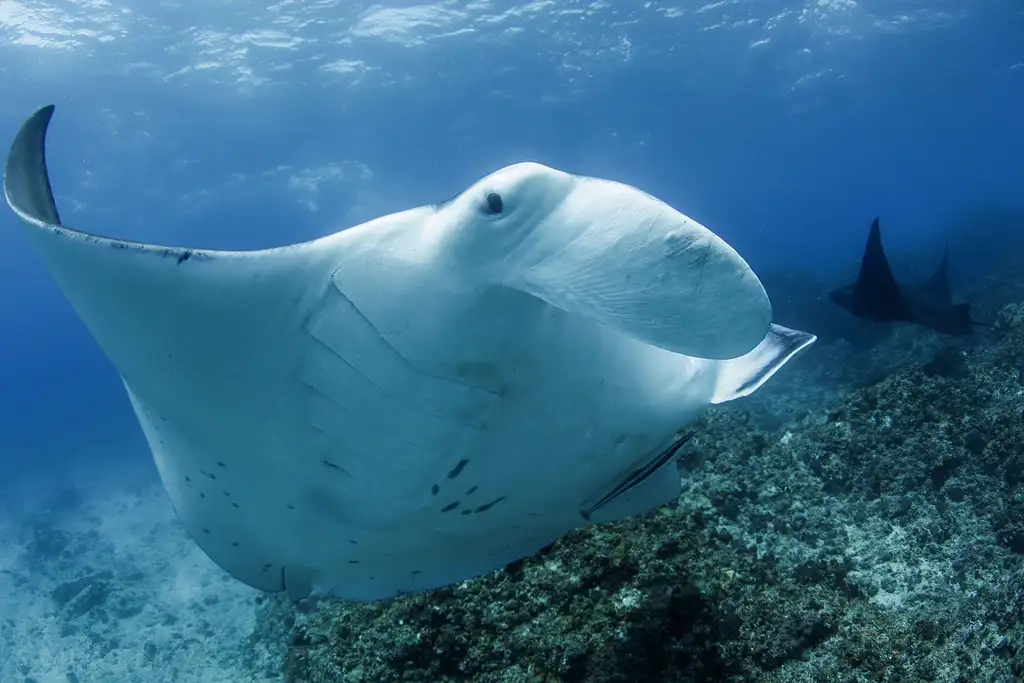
(101, 585)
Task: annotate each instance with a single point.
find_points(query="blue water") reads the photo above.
(784, 127)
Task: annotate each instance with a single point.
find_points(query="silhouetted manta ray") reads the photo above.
(876, 295)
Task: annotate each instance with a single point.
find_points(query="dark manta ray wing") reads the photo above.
(937, 286)
(876, 290)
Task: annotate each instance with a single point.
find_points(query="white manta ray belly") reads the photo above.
(422, 479)
(425, 397)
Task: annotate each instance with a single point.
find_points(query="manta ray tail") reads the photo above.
(964, 312)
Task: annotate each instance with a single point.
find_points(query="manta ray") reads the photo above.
(425, 397)
(877, 296)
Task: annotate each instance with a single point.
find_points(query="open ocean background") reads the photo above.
(785, 127)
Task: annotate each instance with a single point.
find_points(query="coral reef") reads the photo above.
(862, 520)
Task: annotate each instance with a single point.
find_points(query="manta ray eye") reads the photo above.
(494, 203)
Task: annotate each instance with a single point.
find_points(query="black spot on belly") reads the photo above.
(353, 541)
(234, 505)
(353, 561)
(333, 466)
(234, 544)
(220, 464)
(487, 506)
(435, 489)
(472, 490)
(290, 507)
(467, 512)
(457, 470)
(202, 495)
(205, 530)
(450, 506)
(416, 571)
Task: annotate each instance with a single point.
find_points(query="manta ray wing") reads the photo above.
(937, 286)
(241, 369)
(185, 329)
(876, 289)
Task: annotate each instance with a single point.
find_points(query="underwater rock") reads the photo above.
(93, 595)
(75, 598)
(125, 605)
(948, 361)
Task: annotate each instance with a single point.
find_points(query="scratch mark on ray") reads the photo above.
(440, 378)
(345, 410)
(702, 261)
(335, 466)
(384, 392)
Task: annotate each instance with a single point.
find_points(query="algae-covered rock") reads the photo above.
(880, 538)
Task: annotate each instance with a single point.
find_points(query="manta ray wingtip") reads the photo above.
(26, 179)
(41, 116)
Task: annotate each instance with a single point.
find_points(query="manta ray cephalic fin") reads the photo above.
(743, 376)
